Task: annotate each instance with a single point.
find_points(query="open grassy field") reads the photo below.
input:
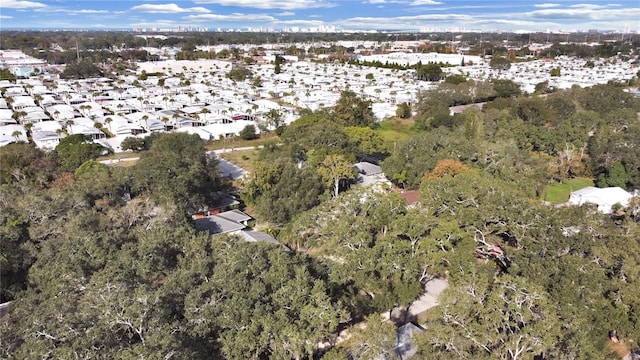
(245, 158)
(237, 142)
(394, 131)
(558, 193)
(120, 155)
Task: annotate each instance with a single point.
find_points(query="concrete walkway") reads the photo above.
(426, 301)
(115, 161)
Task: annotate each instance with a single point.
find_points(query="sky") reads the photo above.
(409, 15)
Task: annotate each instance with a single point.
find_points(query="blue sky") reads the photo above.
(513, 15)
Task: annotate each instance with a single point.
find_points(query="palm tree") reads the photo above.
(165, 120)
(108, 122)
(175, 118)
(19, 116)
(68, 123)
(145, 118)
(16, 134)
(205, 111)
(28, 127)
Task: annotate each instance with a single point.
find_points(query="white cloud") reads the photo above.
(306, 23)
(271, 4)
(168, 9)
(230, 17)
(425, 2)
(404, 19)
(19, 4)
(546, 5)
(588, 6)
(6, 17)
(286, 13)
(585, 14)
(158, 23)
(402, 22)
(86, 11)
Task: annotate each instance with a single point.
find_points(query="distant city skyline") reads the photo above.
(323, 15)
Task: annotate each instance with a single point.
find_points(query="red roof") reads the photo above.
(411, 197)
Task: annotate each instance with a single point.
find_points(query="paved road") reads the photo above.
(426, 301)
(429, 298)
(227, 168)
(115, 161)
(230, 169)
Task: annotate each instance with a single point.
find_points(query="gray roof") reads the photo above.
(367, 168)
(404, 348)
(253, 236)
(217, 225)
(235, 215)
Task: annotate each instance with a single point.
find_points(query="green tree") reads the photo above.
(177, 169)
(351, 110)
(615, 175)
(249, 133)
(281, 190)
(133, 143)
(506, 88)
(403, 111)
(364, 140)
(508, 318)
(239, 73)
(429, 72)
(274, 118)
(73, 150)
(279, 60)
(334, 169)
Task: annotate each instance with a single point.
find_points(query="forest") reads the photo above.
(104, 262)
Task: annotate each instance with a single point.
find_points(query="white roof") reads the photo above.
(47, 126)
(7, 137)
(6, 114)
(603, 198)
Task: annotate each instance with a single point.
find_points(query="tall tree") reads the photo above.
(334, 169)
(176, 168)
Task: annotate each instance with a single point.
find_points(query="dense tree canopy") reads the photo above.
(73, 150)
(177, 169)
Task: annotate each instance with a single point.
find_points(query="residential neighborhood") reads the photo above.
(199, 97)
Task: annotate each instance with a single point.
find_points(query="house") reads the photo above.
(12, 133)
(404, 349)
(233, 222)
(411, 197)
(603, 198)
(255, 236)
(222, 201)
(370, 174)
(228, 222)
(46, 140)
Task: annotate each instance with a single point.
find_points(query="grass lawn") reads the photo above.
(245, 158)
(120, 155)
(558, 193)
(394, 131)
(124, 164)
(237, 142)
